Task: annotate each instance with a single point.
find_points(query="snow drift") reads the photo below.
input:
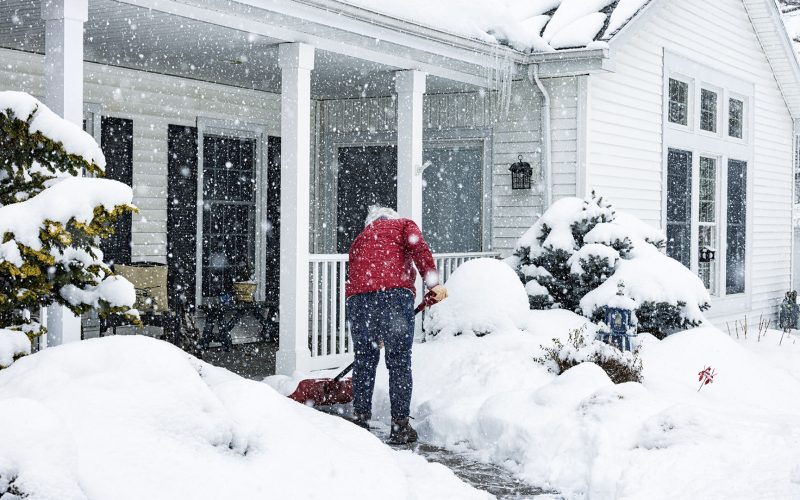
(132, 418)
(585, 437)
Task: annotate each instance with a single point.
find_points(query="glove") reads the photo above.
(440, 292)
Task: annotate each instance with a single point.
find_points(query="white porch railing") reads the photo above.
(329, 340)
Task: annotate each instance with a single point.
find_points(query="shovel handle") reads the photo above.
(427, 301)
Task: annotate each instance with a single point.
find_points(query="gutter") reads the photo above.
(547, 141)
(336, 13)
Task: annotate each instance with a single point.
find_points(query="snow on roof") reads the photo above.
(526, 25)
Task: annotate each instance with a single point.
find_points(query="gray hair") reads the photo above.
(376, 212)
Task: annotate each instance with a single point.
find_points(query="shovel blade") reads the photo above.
(323, 392)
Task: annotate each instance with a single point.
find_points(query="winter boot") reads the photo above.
(362, 420)
(402, 432)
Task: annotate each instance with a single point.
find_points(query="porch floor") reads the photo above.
(250, 360)
(247, 358)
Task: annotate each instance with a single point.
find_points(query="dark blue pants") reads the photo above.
(387, 316)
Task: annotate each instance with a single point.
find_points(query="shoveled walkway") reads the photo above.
(256, 361)
(490, 478)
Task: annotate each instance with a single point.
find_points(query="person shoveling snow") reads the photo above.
(380, 308)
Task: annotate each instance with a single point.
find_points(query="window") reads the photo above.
(705, 176)
(679, 206)
(707, 224)
(452, 199)
(678, 102)
(708, 110)
(735, 118)
(229, 212)
(737, 227)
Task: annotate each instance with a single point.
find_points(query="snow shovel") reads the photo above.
(338, 390)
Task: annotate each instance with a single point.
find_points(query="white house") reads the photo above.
(258, 130)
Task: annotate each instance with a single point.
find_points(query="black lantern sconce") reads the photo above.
(707, 254)
(521, 173)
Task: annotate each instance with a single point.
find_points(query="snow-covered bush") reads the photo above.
(620, 366)
(51, 220)
(484, 296)
(13, 345)
(578, 251)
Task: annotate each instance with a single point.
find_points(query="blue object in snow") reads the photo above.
(620, 323)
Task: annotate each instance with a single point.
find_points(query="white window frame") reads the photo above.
(746, 100)
(717, 145)
(699, 111)
(690, 106)
(93, 113)
(719, 210)
(235, 128)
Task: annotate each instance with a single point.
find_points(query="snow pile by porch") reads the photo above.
(583, 436)
(133, 418)
(486, 295)
(537, 25)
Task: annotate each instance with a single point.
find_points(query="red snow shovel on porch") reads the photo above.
(338, 390)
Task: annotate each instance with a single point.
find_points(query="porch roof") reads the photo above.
(236, 43)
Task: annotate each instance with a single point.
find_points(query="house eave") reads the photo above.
(346, 29)
(766, 18)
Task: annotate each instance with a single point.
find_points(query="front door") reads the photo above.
(367, 176)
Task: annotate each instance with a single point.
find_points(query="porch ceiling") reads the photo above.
(125, 35)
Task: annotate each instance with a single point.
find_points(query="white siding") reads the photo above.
(564, 133)
(153, 102)
(517, 132)
(625, 130)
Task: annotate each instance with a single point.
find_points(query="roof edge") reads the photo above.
(788, 48)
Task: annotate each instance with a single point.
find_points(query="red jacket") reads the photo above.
(381, 258)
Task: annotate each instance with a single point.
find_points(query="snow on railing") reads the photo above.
(328, 337)
(446, 263)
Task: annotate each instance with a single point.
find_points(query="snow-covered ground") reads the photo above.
(583, 436)
(130, 417)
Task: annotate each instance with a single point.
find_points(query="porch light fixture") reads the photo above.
(707, 254)
(521, 173)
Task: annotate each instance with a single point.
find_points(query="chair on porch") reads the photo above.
(149, 279)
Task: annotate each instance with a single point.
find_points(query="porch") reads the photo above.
(255, 138)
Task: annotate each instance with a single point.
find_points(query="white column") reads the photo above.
(410, 87)
(63, 82)
(63, 56)
(296, 61)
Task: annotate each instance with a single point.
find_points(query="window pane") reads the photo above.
(679, 182)
(229, 212)
(735, 118)
(707, 224)
(708, 110)
(737, 224)
(678, 102)
(452, 199)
